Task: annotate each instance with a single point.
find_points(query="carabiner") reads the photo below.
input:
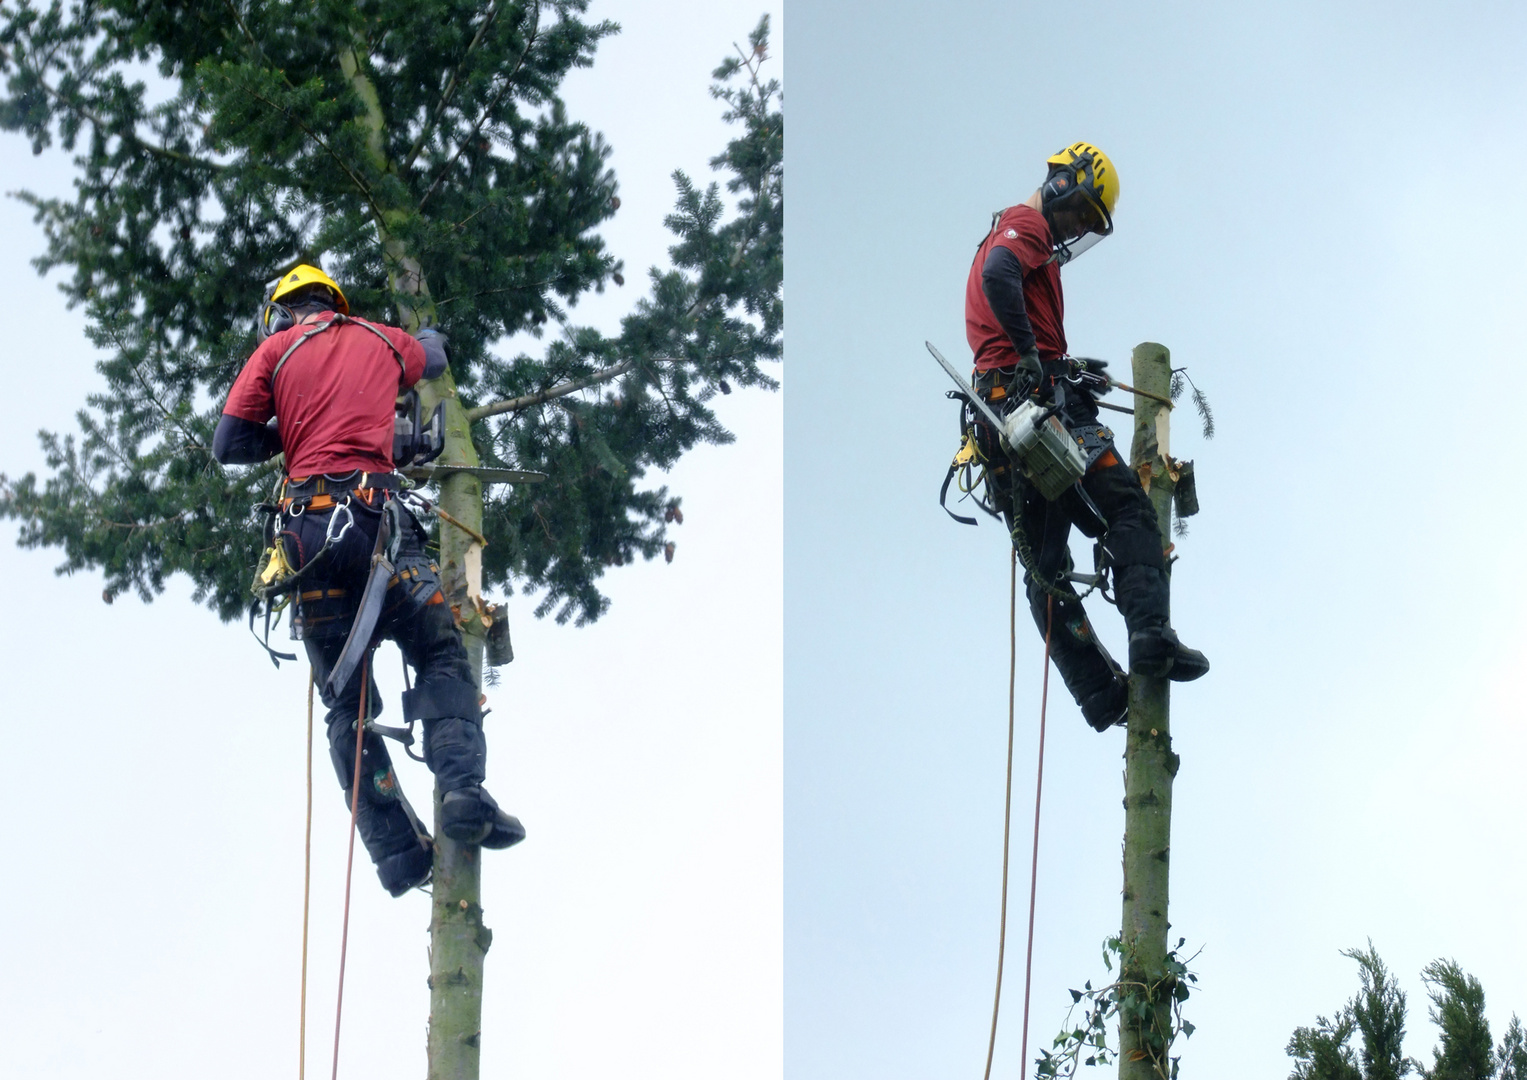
(332, 537)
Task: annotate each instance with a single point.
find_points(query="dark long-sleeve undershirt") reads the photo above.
(243, 442)
(1002, 282)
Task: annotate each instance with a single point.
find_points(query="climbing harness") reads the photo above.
(277, 579)
(1056, 461)
(1007, 818)
(317, 328)
(358, 643)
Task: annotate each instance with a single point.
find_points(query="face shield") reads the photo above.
(1076, 223)
(1066, 250)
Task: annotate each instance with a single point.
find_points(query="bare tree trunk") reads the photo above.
(458, 939)
(1149, 768)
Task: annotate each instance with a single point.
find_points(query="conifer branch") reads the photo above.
(535, 31)
(450, 88)
(360, 185)
(254, 42)
(100, 124)
(572, 387)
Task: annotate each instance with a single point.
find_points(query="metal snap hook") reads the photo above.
(330, 535)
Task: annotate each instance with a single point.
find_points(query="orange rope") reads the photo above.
(355, 802)
(1044, 701)
(307, 883)
(1007, 807)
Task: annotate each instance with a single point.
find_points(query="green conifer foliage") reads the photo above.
(417, 151)
(1466, 1050)
(1511, 1057)
(1376, 1014)
(1322, 1052)
(1379, 1012)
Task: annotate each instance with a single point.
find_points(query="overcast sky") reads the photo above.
(153, 772)
(1319, 217)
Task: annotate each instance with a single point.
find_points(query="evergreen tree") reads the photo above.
(1379, 1012)
(1458, 1009)
(419, 152)
(1465, 1051)
(1511, 1057)
(1322, 1052)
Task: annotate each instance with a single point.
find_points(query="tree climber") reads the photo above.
(330, 383)
(1014, 313)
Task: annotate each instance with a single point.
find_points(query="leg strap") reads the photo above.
(440, 698)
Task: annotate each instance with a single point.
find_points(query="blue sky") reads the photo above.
(1318, 216)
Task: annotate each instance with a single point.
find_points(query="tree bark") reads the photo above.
(1149, 767)
(458, 939)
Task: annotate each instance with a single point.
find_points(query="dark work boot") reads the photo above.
(1144, 598)
(408, 869)
(470, 816)
(1109, 706)
(399, 846)
(1158, 653)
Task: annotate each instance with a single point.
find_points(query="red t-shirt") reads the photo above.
(333, 398)
(1023, 231)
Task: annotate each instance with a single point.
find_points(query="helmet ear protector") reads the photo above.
(273, 317)
(1075, 199)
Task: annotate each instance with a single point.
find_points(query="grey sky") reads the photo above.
(1319, 217)
(153, 769)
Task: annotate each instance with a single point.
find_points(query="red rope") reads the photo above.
(355, 803)
(1044, 701)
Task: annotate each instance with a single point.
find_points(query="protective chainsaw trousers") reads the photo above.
(444, 696)
(1129, 532)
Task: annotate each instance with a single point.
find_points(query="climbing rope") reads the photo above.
(1007, 807)
(355, 803)
(1044, 701)
(307, 885)
(1007, 815)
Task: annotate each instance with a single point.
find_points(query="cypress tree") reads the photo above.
(1466, 1050)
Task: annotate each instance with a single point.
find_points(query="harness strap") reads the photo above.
(943, 493)
(336, 320)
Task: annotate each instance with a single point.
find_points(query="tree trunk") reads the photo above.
(458, 939)
(1149, 768)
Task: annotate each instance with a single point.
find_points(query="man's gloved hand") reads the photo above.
(437, 351)
(1092, 375)
(1030, 377)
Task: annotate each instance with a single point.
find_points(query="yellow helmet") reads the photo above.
(1078, 198)
(300, 276)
